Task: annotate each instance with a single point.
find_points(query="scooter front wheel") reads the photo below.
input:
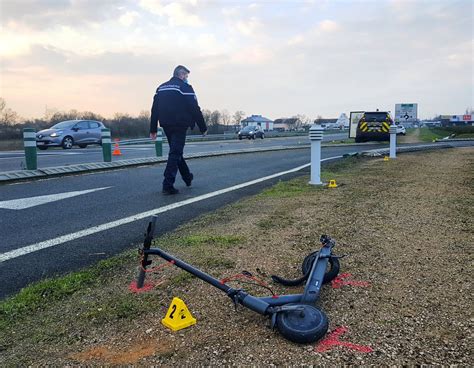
(305, 325)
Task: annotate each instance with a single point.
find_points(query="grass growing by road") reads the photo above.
(49, 292)
(396, 239)
(216, 240)
(428, 134)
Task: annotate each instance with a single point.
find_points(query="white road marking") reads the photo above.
(46, 155)
(139, 216)
(22, 203)
(59, 153)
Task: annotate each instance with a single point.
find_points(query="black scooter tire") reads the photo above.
(303, 327)
(329, 275)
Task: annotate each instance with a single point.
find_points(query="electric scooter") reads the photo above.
(295, 316)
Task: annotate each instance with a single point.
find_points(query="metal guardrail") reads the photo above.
(447, 139)
(210, 137)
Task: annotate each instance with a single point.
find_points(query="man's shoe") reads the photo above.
(188, 180)
(170, 191)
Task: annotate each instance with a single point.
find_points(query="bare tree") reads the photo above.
(144, 114)
(225, 117)
(301, 120)
(215, 118)
(7, 115)
(238, 116)
(62, 116)
(49, 112)
(207, 116)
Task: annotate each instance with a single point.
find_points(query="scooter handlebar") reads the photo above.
(327, 241)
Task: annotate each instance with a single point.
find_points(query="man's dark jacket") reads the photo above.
(175, 105)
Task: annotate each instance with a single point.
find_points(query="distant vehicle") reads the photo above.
(374, 126)
(401, 130)
(251, 132)
(68, 133)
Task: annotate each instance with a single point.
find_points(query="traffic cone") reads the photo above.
(116, 151)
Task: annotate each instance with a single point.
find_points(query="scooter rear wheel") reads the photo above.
(302, 326)
(330, 274)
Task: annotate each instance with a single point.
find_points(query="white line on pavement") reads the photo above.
(139, 216)
(22, 203)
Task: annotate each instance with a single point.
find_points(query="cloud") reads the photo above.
(63, 62)
(328, 26)
(129, 18)
(315, 61)
(322, 30)
(231, 11)
(255, 55)
(178, 13)
(45, 14)
(249, 27)
(254, 6)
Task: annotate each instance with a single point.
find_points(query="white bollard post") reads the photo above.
(316, 136)
(393, 141)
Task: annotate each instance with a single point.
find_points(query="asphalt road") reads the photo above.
(14, 160)
(53, 226)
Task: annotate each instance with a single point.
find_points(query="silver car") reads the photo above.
(69, 133)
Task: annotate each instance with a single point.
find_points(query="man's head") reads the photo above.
(181, 72)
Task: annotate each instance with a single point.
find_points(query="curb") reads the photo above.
(454, 139)
(49, 172)
(386, 151)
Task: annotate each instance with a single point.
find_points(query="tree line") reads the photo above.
(121, 125)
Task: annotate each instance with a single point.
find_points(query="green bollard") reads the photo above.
(106, 145)
(29, 141)
(159, 143)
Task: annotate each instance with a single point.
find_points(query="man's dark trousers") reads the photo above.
(176, 140)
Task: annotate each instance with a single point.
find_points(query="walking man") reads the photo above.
(176, 108)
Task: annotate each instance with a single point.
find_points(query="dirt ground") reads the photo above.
(413, 137)
(403, 296)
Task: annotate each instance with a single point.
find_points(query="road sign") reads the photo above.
(406, 113)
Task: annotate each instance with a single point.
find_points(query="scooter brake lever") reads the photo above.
(234, 295)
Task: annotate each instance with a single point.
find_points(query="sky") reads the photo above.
(275, 58)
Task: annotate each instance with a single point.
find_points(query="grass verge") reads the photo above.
(396, 239)
(429, 134)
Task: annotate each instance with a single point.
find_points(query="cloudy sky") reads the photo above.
(275, 57)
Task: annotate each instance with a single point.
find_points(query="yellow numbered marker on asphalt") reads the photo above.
(178, 316)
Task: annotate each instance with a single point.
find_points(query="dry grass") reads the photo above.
(406, 223)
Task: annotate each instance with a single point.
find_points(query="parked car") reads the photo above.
(251, 132)
(68, 133)
(401, 130)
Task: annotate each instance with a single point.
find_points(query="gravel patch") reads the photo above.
(404, 297)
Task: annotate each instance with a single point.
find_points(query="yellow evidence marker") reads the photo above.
(178, 316)
(386, 158)
(332, 184)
